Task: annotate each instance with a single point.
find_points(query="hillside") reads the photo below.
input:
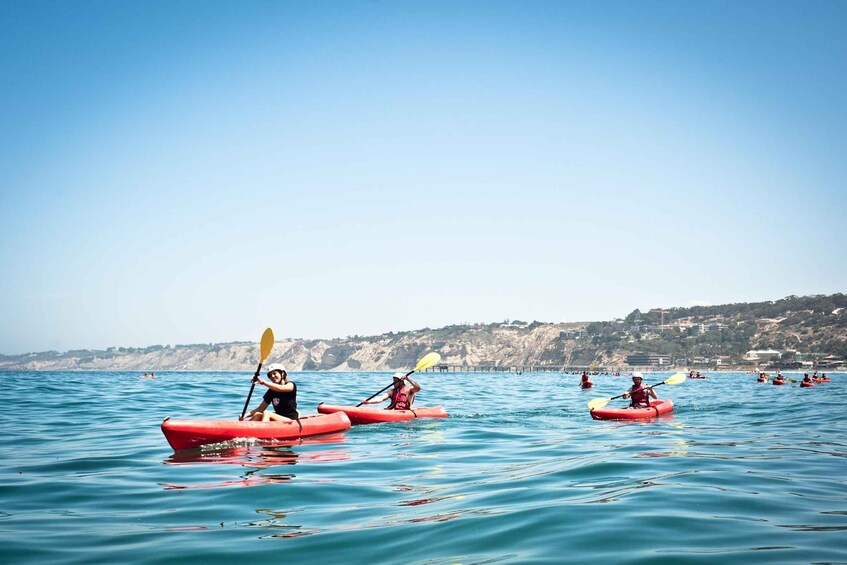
(810, 327)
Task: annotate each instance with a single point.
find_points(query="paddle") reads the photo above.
(676, 379)
(265, 347)
(426, 362)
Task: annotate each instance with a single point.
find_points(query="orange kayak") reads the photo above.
(656, 409)
(186, 434)
(373, 415)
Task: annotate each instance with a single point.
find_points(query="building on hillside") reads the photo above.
(761, 355)
(647, 359)
(573, 334)
(830, 362)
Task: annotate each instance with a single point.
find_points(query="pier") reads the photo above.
(513, 369)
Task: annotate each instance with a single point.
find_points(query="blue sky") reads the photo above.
(184, 172)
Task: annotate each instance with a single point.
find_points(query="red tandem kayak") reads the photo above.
(656, 409)
(186, 434)
(373, 415)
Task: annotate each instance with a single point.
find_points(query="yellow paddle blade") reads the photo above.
(428, 361)
(598, 403)
(675, 379)
(266, 345)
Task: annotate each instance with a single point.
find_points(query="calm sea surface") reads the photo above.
(741, 472)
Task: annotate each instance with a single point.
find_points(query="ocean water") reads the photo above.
(741, 472)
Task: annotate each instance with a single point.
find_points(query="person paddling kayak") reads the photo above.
(401, 395)
(586, 381)
(282, 394)
(640, 396)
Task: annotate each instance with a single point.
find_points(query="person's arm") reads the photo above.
(415, 386)
(260, 408)
(377, 399)
(652, 393)
(283, 387)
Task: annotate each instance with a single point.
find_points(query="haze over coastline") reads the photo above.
(195, 172)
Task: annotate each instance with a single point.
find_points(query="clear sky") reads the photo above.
(194, 171)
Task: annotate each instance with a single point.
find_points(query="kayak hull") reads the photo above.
(656, 409)
(187, 434)
(777, 383)
(586, 385)
(807, 385)
(371, 415)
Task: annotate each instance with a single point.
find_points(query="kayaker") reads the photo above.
(640, 396)
(586, 381)
(807, 378)
(401, 395)
(282, 394)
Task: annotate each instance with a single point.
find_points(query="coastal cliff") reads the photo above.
(800, 328)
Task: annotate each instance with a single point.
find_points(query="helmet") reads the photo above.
(637, 374)
(399, 376)
(276, 367)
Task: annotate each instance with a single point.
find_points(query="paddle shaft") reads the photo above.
(383, 390)
(252, 386)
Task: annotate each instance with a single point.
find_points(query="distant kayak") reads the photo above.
(656, 409)
(804, 384)
(762, 379)
(587, 384)
(373, 415)
(698, 377)
(779, 381)
(186, 434)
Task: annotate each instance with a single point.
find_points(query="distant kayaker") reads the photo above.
(640, 396)
(401, 395)
(586, 381)
(282, 394)
(807, 378)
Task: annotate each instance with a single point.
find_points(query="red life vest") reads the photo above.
(401, 399)
(638, 397)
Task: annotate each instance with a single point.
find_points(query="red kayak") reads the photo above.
(656, 409)
(586, 384)
(186, 434)
(373, 415)
(762, 380)
(779, 381)
(804, 384)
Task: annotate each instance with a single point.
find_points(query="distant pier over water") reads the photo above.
(514, 369)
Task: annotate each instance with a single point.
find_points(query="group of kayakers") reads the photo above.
(282, 392)
(282, 395)
(808, 381)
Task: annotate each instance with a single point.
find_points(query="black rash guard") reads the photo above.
(284, 403)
